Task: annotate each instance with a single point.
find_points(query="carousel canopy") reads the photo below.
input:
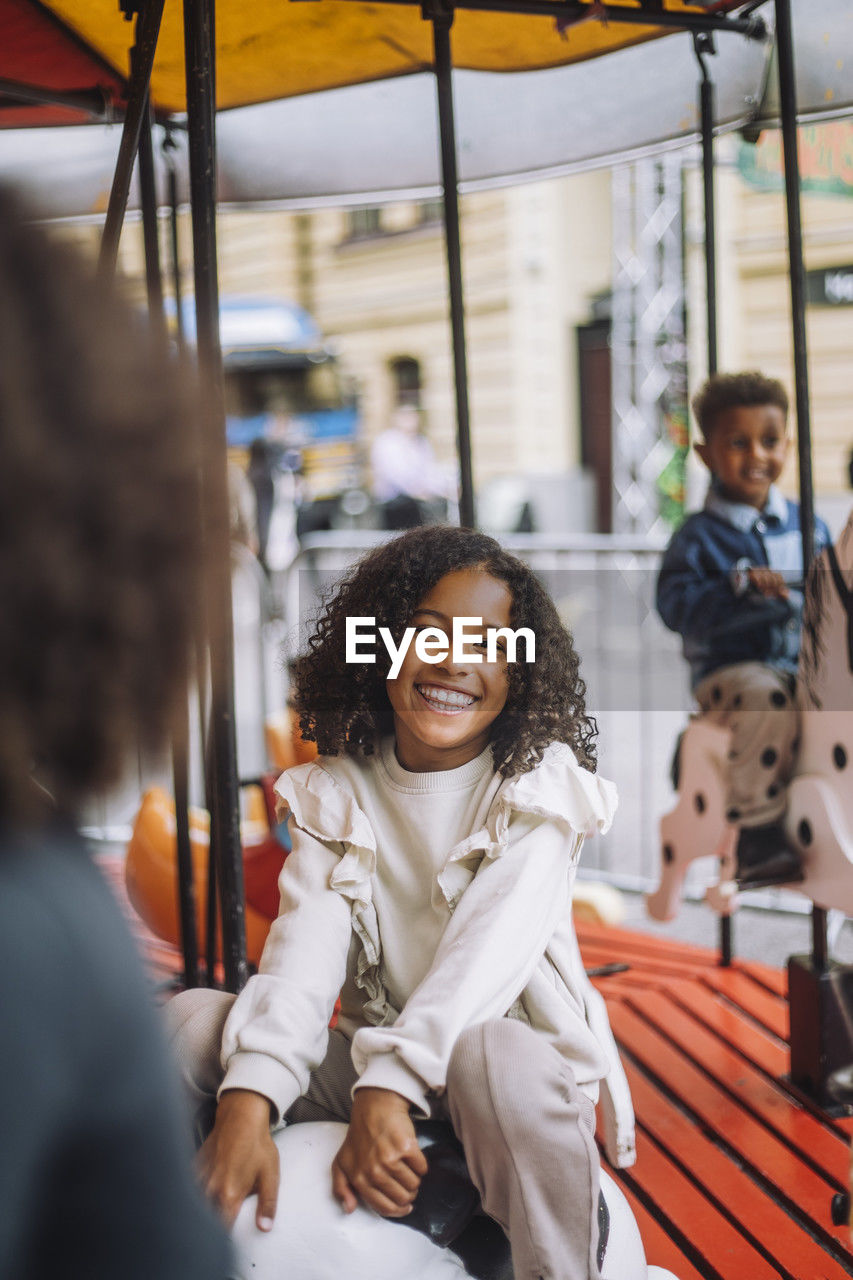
(270, 49)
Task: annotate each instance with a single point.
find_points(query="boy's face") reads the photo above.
(747, 451)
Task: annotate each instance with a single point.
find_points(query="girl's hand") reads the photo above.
(380, 1161)
(767, 582)
(240, 1158)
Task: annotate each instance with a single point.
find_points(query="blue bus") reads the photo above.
(283, 384)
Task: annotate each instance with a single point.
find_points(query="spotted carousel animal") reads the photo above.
(819, 820)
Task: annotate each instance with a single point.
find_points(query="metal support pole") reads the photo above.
(186, 877)
(142, 60)
(150, 233)
(704, 44)
(788, 111)
(225, 816)
(441, 23)
(174, 247)
(180, 740)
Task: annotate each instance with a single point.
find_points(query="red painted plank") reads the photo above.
(606, 935)
(640, 944)
(594, 955)
(756, 1044)
(795, 1183)
(776, 980)
(762, 1097)
(762, 1220)
(660, 1249)
(771, 1011)
(684, 1209)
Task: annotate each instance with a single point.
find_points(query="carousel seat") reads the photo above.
(819, 820)
(313, 1239)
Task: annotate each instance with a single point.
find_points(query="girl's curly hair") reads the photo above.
(344, 708)
(100, 546)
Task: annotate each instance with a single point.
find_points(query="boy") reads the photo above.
(727, 585)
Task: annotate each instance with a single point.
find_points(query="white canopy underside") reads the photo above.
(379, 141)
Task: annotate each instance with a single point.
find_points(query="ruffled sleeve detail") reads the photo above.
(557, 789)
(321, 806)
(560, 789)
(326, 810)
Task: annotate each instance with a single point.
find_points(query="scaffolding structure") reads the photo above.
(648, 345)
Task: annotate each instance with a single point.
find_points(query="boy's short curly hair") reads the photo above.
(724, 391)
(100, 547)
(344, 708)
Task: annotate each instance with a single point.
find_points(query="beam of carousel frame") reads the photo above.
(94, 102)
(703, 45)
(788, 111)
(226, 850)
(180, 738)
(567, 14)
(147, 31)
(441, 23)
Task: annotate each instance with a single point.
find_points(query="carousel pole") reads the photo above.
(820, 992)
(441, 16)
(149, 15)
(788, 111)
(226, 851)
(703, 44)
(180, 736)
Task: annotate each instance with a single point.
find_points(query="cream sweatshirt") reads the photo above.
(430, 902)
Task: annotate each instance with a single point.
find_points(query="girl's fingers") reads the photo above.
(383, 1204)
(408, 1178)
(415, 1160)
(387, 1183)
(267, 1196)
(341, 1189)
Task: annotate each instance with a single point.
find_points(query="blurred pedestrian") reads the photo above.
(100, 571)
(408, 483)
(260, 472)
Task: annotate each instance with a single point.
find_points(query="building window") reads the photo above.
(430, 211)
(406, 378)
(364, 222)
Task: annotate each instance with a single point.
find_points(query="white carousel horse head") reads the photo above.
(313, 1239)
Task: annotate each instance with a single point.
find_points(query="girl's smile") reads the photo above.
(444, 700)
(444, 711)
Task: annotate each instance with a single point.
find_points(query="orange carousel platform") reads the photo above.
(735, 1174)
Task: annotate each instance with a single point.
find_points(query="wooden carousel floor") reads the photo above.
(734, 1175)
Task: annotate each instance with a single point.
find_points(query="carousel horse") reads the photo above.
(819, 820)
(313, 1239)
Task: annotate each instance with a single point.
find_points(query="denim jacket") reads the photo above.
(703, 592)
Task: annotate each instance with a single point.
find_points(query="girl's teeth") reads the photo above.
(446, 697)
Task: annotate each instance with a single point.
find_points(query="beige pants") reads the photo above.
(757, 705)
(526, 1128)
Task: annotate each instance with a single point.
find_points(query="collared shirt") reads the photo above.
(704, 592)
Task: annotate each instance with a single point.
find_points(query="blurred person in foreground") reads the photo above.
(100, 569)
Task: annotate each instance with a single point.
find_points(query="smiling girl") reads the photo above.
(435, 841)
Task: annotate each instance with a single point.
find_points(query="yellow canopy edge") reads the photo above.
(269, 49)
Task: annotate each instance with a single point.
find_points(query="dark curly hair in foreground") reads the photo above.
(100, 555)
(343, 708)
(724, 391)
